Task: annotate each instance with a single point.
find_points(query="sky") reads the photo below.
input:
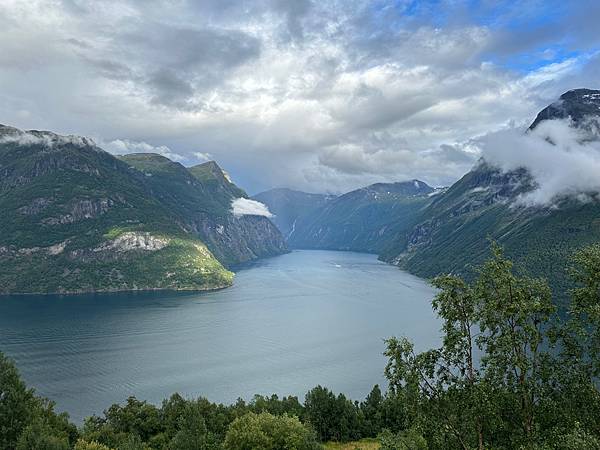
(322, 96)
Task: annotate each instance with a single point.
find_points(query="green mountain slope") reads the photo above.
(452, 232)
(288, 206)
(74, 218)
(199, 199)
(365, 220)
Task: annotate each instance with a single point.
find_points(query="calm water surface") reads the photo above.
(289, 323)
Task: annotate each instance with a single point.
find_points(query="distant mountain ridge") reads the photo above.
(77, 219)
(362, 220)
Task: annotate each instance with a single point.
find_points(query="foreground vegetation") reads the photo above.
(510, 374)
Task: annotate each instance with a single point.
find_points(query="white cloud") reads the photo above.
(203, 157)
(562, 159)
(247, 207)
(19, 137)
(125, 146)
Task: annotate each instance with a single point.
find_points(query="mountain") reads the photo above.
(200, 198)
(288, 206)
(452, 232)
(217, 182)
(77, 219)
(365, 220)
(579, 105)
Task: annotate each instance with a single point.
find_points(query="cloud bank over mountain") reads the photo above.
(247, 207)
(562, 159)
(323, 96)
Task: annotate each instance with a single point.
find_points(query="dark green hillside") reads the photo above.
(451, 233)
(175, 187)
(288, 206)
(217, 182)
(74, 218)
(363, 220)
(199, 199)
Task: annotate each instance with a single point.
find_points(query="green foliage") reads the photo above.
(65, 206)
(192, 433)
(509, 373)
(40, 436)
(405, 440)
(17, 404)
(366, 220)
(334, 418)
(28, 422)
(265, 431)
(93, 445)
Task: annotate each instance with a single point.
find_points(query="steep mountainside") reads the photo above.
(200, 198)
(288, 206)
(74, 218)
(451, 233)
(366, 219)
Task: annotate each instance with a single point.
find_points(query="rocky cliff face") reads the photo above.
(234, 240)
(582, 106)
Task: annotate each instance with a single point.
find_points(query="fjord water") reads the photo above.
(289, 323)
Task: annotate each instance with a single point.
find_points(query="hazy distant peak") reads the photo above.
(409, 187)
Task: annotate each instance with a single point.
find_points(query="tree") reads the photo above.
(192, 434)
(265, 431)
(17, 404)
(504, 319)
(410, 439)
(333, 418)
(39, 436)
(372, 410)
(514, 316)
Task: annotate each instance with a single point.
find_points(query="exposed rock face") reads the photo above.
(36, 206)
(235, 240)
(81, 210)
(200, 198)
(133, 241)
(580, 105)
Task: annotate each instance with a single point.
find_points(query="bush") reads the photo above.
(84, 445)
(268, 432)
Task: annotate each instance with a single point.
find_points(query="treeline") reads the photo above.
(510, 373)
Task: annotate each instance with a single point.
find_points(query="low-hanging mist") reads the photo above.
(563, 160)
